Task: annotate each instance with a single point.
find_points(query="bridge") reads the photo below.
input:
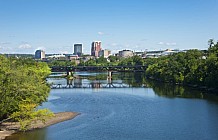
(138, 68)
(94, 85)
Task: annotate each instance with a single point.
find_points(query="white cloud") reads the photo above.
(167, 43)
(101, 33)
(25, 46)
(161, 43)
(171, 44)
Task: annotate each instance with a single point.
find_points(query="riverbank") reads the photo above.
(9, 128)
(205, 89)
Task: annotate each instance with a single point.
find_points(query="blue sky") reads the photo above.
(139, 25)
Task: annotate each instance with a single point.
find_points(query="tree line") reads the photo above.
(193, 67)
(23, 88)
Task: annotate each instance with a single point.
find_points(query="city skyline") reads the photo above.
(139, 25)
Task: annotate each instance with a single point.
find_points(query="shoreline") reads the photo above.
(204, 88)
(9, 128)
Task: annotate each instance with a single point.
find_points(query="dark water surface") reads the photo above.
(129, 114)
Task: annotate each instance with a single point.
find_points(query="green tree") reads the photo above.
(28, 114)
(21, 79)
(113, 58)
(137, 60)
(210, 43)
(91, 62)
(101, 61)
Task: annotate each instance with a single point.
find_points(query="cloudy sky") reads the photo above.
(55, 25)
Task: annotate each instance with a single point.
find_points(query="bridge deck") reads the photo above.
(97, 68)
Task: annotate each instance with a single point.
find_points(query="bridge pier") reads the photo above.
(69, 73)
(69, 82)
(109, 76)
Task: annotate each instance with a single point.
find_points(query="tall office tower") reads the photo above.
(78, 49)
(39, 54)
(96, 47)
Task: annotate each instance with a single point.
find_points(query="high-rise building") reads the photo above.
(105, 53)
(78, 49)
(96, 47)
(40, 54)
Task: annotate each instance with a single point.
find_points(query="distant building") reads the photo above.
(126, 53)
(169, 52)
(40, 54)
(87, 58)
(139, 54)
(57, 57)
(73, 57)
(157, 54)
(105, 53)
(96, 47)
(20, 55)
(153, 54)
(78, 49)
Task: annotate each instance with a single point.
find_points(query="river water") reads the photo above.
(156, 111)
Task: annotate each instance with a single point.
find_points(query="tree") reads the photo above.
(21, 79)
(184, 68)
(137, 60)
(90, 62)
(101, 61)
(211, 77)
(210, 43)
(28, 114)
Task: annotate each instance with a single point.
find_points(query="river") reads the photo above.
(155, 111)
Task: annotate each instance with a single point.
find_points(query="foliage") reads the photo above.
(131, 61)
(21, 79)
(28, 114)
(113, 58)
(91, 62)
(136, 79)
(192, 67)
(62, 63)
(101, 61)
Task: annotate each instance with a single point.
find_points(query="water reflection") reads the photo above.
(40, 134)
(164, 89)
(132, 80)
(172, 91)
(136, 79)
